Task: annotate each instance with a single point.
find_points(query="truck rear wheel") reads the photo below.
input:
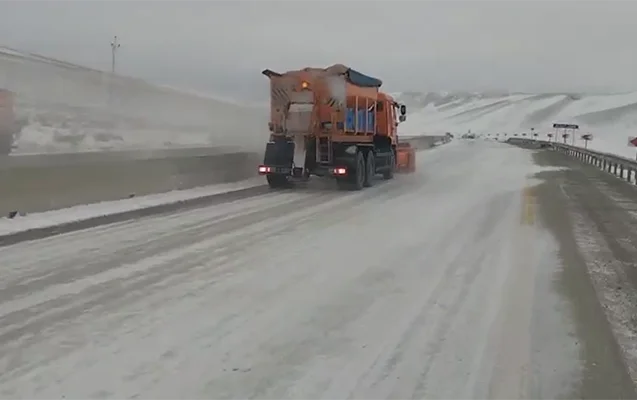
(355, 181)
(277, 181)
(370, 169)
(389, 173)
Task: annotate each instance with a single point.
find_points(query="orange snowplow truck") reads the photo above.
(331, 122)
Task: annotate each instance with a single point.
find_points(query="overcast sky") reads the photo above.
(221, 46)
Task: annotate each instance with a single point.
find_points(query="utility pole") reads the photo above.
(114, 47)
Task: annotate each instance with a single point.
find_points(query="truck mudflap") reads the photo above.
(405, 158)
(278, 158)
(278, 164)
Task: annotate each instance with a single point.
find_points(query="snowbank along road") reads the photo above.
(99, 111)
(447, 283)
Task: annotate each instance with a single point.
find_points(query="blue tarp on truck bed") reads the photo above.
(366, 121)
(362, 80)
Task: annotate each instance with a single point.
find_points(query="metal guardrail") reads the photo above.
(622, 167)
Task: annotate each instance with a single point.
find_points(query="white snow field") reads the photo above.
(610, 118)
(420, 287)
(66, 107)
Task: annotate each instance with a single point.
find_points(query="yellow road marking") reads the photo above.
(529, 206)
(512, 371)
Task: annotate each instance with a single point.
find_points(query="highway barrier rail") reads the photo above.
(622, 167)
(425, 141)
(47, 182)
(36, 183)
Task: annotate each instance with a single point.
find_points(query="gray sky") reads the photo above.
(221, 46)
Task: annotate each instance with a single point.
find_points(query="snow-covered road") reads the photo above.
(425, 286)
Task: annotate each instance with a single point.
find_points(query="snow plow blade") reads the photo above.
(405, 158)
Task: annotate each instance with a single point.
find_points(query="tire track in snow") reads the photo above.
(96, 290)
(437, 314)
(100, 292)
(63, 269)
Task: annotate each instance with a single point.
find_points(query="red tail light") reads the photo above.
(264, 169)
(340, 171)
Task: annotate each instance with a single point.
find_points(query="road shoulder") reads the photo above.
(589, 225)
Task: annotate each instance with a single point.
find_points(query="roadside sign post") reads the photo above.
(586, 137)
(632, 142)
(566, 128)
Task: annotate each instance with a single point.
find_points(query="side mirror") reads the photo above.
(403, 109)
(402, 118)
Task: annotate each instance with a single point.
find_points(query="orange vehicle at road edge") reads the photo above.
(332, 122)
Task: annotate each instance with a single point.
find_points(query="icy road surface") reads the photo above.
(438, 284)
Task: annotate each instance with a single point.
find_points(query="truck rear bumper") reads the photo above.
(274, 170)
(297, 172)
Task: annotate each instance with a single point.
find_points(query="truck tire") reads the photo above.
(370, 169)
(389, 173)
(355, 181)
(277, 181)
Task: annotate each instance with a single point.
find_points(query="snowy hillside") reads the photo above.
(610, 118)
(65, 107)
